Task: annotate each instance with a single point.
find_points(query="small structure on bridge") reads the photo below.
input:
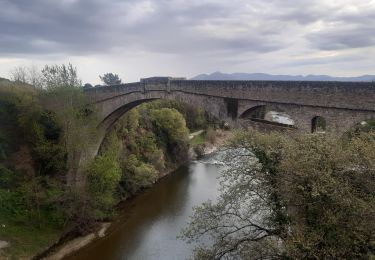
(153, 80)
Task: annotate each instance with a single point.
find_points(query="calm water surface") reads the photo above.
(151, 222)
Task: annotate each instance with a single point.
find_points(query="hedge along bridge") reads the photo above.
(340, 104)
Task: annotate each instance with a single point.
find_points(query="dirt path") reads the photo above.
(191, 135)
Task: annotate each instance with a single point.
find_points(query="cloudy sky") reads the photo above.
(140, 38)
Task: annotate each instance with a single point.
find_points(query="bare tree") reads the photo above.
(27, 74)
(34, 76)
(19, 74)
(240, 223)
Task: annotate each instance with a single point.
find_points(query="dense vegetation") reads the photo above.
(292, 197)
(46, 189)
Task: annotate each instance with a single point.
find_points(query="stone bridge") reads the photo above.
(340, 104)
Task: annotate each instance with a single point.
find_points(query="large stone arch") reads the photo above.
(110, 110)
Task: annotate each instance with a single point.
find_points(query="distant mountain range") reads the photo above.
(264, 76)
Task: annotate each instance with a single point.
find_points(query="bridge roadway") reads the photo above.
(341, 104)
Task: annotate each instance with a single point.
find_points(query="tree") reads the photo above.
(29, 75)
(65, 98)
(110, 79)
(170, 129)
(55, 76)
(244, 222)
(87, 85)
(19, 74)
(34, 76)
(327, 185)
(295, 197)
(104, 174)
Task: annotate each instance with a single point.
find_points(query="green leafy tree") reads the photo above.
(103, 177)
(65, 98)
(110, 79)
(327, 187)
(170, 128)
(55, 76)
(195, 117)
(136, 175)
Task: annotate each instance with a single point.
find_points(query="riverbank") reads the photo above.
(64, 248)
(206, 143)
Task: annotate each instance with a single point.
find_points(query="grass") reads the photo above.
(25, 241)
(198, 139)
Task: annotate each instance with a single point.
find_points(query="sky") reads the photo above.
(183, 38)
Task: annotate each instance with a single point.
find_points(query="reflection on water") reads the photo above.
(151, 222)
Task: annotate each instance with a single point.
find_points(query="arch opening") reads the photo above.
(190, 113)
(268, 114)
(318, 124)
(108, 122)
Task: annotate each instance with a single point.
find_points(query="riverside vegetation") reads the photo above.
(292, 197)
(44, 131)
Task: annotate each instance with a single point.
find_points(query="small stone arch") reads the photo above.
(268, 114)
(254, 112)
(318, 124)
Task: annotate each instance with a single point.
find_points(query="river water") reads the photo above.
(150, 222)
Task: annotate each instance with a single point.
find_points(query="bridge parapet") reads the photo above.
(159, 80)
(107, 92)
(348, 95)
(145, 84)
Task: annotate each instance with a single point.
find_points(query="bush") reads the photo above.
(104, 174)
(136, 175)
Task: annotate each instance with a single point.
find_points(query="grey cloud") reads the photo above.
(325, 60)
(345, 29)
(83, 27)
(343, 39)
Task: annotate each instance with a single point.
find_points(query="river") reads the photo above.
(150, 222)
